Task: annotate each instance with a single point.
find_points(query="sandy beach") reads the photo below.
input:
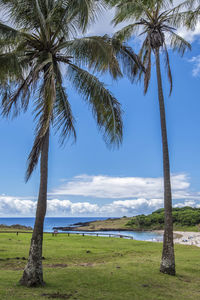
(186, 238)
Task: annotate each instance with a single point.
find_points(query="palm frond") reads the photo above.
(105, 107)
(178, 43)
(7, 32)
(63, 118)
(129, 61)
(147, 75)
(10, 67)
(85, 10)
(35, 154)
(167, 65)
(95, 52)
(126, 32)
(18, 100)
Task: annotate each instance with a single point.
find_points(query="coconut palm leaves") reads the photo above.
(156, 25)
(189, 14)
(105, 107)
(42, 45)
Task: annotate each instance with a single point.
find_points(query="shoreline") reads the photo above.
(189, 238)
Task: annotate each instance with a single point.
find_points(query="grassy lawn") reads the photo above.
(92, 268)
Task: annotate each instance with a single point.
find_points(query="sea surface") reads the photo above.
(62, 222)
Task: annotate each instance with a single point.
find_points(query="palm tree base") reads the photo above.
(167, 267)
(33, 273)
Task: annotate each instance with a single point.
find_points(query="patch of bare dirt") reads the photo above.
(57, 296)
(17, 266)
(184, 278)
(56, 266)
(88, 264)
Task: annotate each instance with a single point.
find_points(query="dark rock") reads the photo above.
(64, 228)
(82, 224)
(145, 285)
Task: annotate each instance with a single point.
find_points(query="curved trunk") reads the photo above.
(33, 273)
(168, 261)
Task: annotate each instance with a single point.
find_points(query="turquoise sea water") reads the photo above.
(61, 222)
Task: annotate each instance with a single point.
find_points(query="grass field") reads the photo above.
(92, 268)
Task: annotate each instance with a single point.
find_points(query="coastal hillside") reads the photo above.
(104, 225)
(15, 227)
(185, 218)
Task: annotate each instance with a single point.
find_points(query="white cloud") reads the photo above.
(13, 206)
(124, 196)
(65, 208)
(122, 187)
(195, 60)
(187, 203)
(10, 206)
(131, 207)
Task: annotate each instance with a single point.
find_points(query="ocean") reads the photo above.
(61, 222)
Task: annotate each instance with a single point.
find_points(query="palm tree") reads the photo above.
(152, 19)
(44, 41)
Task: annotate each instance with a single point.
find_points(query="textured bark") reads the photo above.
(168, 260)
(33, 273)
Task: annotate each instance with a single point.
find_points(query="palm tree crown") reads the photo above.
(43, 43)
(154, 20)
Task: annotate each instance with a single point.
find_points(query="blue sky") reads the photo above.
(88, 179)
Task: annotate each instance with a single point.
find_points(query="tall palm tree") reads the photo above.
(44, 41)
(152, 20)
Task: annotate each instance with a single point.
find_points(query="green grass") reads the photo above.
(113, 269)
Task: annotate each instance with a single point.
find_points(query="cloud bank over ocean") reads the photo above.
(120, 196)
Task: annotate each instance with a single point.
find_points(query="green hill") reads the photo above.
(183, 217)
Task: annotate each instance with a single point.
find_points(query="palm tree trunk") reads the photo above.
(168, 260)
(33, 273)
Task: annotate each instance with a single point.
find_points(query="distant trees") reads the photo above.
(184, 216)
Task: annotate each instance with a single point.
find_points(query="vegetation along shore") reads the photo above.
(184, 219)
